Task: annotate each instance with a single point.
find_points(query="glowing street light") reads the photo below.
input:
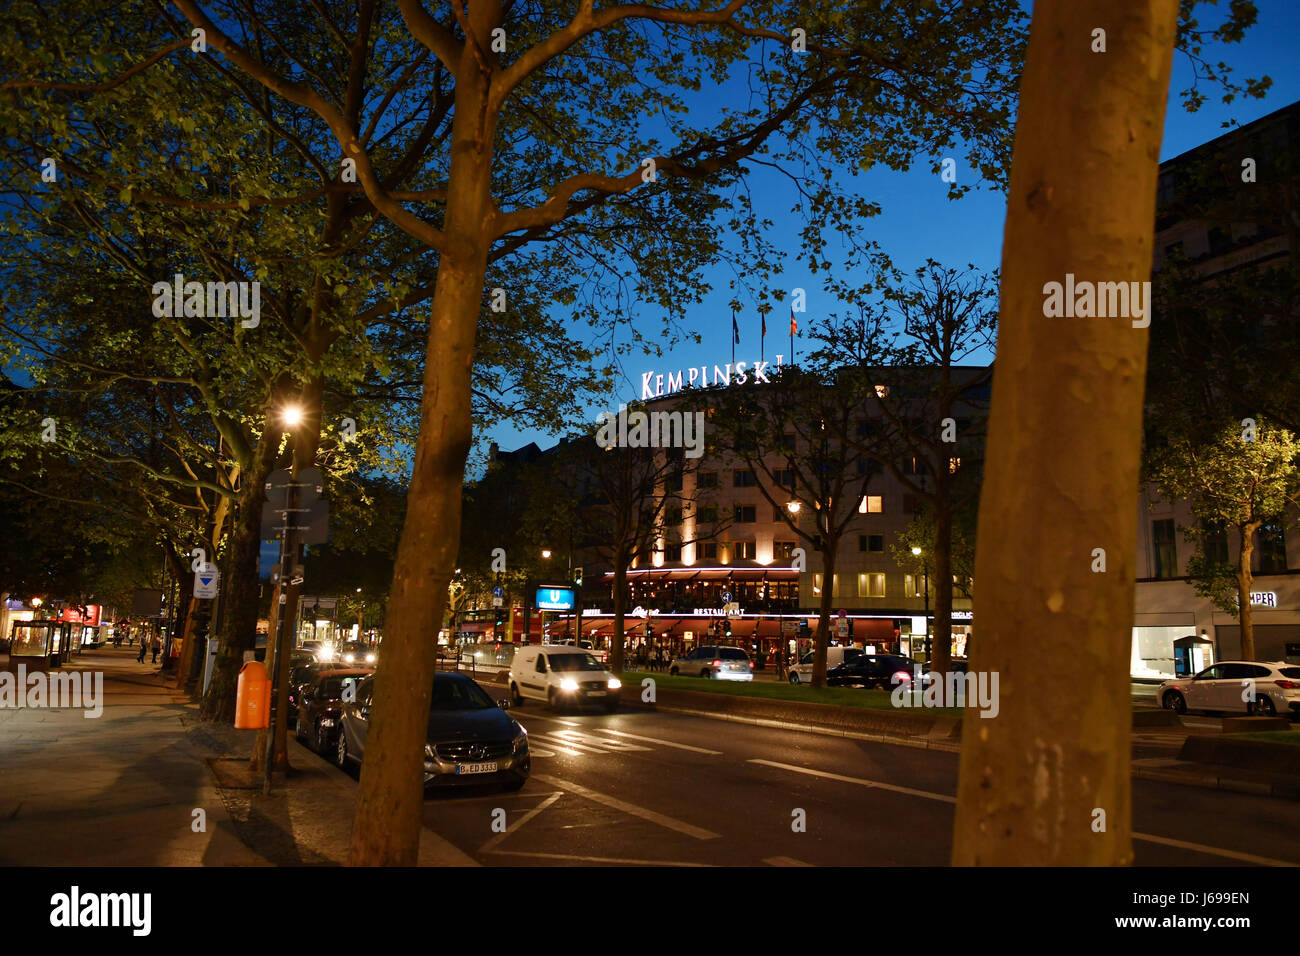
(793, 507)
(916, 551)
(546, 553)
(291, 416)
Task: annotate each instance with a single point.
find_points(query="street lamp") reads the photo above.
(793, 507)
(925, 570)
(546, 554)
(291, 416)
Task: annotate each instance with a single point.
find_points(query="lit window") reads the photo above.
(871, 504)
(953, 465)
(871, 585)
(882, 391)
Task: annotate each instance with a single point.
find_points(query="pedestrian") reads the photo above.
(143, 647)
(156, 646)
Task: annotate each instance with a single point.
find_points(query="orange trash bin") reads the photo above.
(253, 697)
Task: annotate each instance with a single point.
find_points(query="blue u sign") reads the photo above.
(554, 599)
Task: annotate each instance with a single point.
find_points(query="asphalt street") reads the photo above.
(639, 787)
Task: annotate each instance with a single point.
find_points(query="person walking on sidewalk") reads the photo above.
(155, 646)
(144, 646)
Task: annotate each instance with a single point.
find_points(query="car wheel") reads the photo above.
(794, 678)
(705, 674)
(672, 671)
(298, 732)
(1174, 701)
(341, 754)
(516, 698)
(1264, 704)
(322, 740)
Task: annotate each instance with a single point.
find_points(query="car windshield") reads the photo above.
(355, 646)
(333, 686)
(732, 654)
(574, 662)
(459, 694)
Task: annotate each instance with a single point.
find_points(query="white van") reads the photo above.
(561, 675)
(835, 656)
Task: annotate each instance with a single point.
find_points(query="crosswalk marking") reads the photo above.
(576, 748)
(621, 746)
(656, 740)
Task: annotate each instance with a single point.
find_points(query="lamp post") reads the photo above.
(925, 571)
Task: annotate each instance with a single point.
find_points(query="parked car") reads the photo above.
(321, 705)
(355, 652)
(562, 676)
(1223, 688)
(870, 670)
(801, 673)
(471, 738)
(601, 655)
(302, 674)
(721, 663)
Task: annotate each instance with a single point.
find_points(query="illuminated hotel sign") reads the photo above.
(1263, 598)
(656, 385)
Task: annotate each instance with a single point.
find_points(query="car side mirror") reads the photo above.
(504, 704)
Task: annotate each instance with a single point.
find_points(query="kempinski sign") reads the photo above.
(656, 385)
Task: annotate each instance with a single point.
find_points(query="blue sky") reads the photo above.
(919, 221)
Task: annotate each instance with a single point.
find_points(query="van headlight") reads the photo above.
(568, 684)
(615, 683)
(349, 657)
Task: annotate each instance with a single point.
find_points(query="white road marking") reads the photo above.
(944, 798)
(660, 741)
(630, 808)
(618, 745)
(540, 753)
(497, 838)
(874, 784)
(572, 746)
(600, 859)
(785, 861)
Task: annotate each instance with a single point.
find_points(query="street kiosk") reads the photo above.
(40, 643)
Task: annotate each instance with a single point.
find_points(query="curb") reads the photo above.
(1212, 781)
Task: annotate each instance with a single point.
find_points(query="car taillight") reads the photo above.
(751, 665)
(717, 663)
(1287, 684)
(902, 676)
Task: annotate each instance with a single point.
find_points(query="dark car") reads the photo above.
(471, 738)
(870, 670)
(302, 673)
(321, 705)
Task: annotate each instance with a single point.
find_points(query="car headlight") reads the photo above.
(370, 658)
(520, 743)
(428, 751)
(568, 684)
(349, 658)
(615, 683)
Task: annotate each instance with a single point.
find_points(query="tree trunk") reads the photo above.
(824, 616)
(620, 618)
(1245, 582)
(386, 828)
(941, 639)
(1036, 780)
(239, 622)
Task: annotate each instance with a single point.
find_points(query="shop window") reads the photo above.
(1164, 548)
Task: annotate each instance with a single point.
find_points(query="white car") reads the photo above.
(835, 656)
(562, 676)
(1266, 688)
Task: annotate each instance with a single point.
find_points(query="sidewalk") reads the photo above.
(122, 789)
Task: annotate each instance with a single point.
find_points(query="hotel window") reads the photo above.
(1164, 551)
(743, 478)
(708, 551)
(746, 514)
(1271, 548)
(672, 515)
(912, 466)
(783, 550)
(673, 482)
(835, 584)
(784, 477)
(707, 479)
(709, 515)
(746, 550)
(871, 585)
(1214, 542)
(672, 552)
(910, 588)
(871, 505)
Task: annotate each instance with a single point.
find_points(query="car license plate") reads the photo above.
(476, 767)
(595, 693)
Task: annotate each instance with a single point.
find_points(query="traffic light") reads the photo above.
(500, 616)
(577, 576)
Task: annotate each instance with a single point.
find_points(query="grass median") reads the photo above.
(1268, 736)
(772, 690)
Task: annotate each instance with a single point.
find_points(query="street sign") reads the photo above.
(205, 582)
(726, 597)
(310, 483)
(309, 520)
(498, 596)
(789, 627)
